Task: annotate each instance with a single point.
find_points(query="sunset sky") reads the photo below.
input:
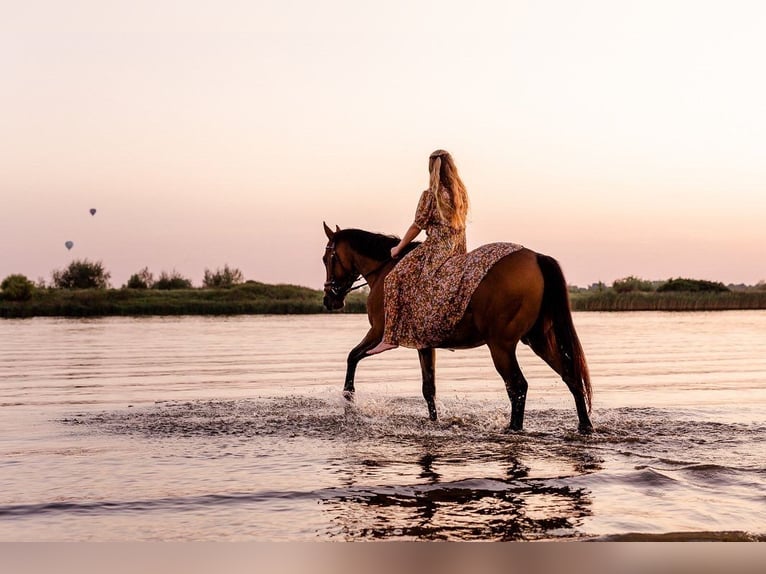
(622, 138)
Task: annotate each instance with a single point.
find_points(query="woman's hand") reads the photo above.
(411, 234)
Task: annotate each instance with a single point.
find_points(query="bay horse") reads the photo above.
(523, 297)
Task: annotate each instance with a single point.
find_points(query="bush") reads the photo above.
(225, 277)
(173, 280)
(692, 285)
(82, 274)
(632, 283)
(141, 280)
(17, 288)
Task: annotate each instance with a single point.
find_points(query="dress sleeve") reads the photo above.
(424, 212)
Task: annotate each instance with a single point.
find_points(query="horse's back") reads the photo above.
(505, 304)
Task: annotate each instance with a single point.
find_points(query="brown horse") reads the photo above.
(523, 298)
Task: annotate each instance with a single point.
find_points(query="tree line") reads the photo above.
(632, 284)
(86, 274)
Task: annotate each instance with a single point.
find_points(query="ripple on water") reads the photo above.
(464, 477)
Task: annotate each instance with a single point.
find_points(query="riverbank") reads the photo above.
(253, 298)
(610, 300)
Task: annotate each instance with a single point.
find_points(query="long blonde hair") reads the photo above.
(444, 174)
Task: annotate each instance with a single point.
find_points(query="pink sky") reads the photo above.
(622, 138)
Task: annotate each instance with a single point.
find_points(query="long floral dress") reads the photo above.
(428, 291)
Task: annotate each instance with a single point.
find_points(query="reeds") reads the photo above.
(249, 298)
(668, 301)
(256, 298)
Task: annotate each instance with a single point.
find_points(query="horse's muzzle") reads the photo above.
(333, 303)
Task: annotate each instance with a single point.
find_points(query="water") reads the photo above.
(235, 429)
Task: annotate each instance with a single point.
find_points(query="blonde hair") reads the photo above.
(444, 173)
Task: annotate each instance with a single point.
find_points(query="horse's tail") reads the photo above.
(556, 326)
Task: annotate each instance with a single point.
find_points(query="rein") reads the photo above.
(378, 268)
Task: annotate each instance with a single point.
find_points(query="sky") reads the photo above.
(622, 138)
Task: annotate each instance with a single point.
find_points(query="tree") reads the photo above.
(226, 277)
(141, 280)
(693, 285)
(17, 287)
(82, 274)
(172, 280)
(632, 283)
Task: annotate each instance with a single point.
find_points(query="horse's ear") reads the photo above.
(328, 232)
(337, 228)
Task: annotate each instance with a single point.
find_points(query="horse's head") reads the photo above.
(339, 268)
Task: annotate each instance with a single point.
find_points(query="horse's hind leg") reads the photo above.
(504, 357)
(428, 370)
(548, 352)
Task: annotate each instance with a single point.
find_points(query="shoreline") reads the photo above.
(669, 301)
(262, 299)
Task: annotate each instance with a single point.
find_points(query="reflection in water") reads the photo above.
(427, 464)
(509, 507)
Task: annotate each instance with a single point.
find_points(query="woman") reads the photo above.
(418, 288)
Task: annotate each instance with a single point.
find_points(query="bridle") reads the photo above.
(341, 289)
(333, 286)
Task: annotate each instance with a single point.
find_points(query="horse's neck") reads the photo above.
(371, 269)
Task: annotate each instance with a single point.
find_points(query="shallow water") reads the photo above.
(235, 429)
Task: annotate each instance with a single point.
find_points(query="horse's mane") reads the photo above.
(373, 245)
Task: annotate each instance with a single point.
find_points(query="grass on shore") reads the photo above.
(260, 298)
(668, 301)
(249, 298)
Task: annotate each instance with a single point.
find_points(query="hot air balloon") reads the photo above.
(93, 211)
(69, 244)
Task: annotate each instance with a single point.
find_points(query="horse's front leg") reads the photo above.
(428, 371)
(358, 353)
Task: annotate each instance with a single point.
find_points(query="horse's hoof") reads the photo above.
(349, 396)
(513, 430)
(585, 429)
(432, 414)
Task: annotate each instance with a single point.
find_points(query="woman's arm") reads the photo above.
(410, 234)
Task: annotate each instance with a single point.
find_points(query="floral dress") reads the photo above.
(428, 291)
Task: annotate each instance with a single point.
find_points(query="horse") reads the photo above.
(523, 297)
